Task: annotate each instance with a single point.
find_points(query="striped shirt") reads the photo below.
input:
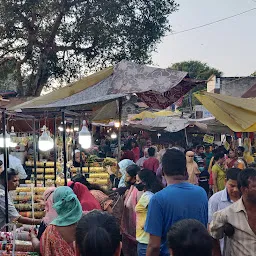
(243, 242)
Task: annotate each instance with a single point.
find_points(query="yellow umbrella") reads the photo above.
(143, 115)
(166, 113)
(238, 114)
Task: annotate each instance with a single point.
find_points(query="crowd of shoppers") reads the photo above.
(200, 202)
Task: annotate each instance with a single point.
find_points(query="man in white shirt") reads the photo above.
(226, 197)
(15, 164)
(13, 215)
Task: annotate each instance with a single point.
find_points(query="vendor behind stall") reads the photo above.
(15, 164)
(77, 158)
(13, 182)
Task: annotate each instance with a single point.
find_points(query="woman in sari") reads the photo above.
(128, 222)
(58, 238)
(86, 199)
(231, 162)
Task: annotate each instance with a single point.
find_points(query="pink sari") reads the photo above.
(128, 223)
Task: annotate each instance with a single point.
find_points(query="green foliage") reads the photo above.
(196, 70)
(64, 39)
(253, 74)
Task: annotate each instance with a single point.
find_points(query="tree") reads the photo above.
(62, 39)
(253, 74)
(196, 70)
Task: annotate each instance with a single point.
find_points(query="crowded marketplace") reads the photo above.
(82, 175)
(104, 152)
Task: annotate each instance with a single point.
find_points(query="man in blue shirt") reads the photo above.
(179, 200)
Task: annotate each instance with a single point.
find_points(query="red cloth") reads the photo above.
(136, 152)
(128, 155)
(151, 164)
(86, 199)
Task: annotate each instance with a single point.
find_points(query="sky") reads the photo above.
(229, 46)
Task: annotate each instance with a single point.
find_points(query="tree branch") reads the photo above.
(62, 48)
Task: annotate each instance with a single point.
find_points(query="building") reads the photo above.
(230, 86)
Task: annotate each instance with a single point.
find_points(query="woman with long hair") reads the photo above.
(58, 238)
(98, 234)
(128, 222)
(147, 182)
(98, 192)
(231, 162)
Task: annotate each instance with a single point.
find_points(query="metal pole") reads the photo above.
(37, 147)
(55, 150)
(190, 102)
(5, 168)
(186, 136)
(120, 106)
(34, 151)
(64, 147)
(80, 148)
(44, 174)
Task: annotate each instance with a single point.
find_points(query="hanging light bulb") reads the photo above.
(60, 128)
(117, 124)
(113, 136)
(85, 138)
(45, 142)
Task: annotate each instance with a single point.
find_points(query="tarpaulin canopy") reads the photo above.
(106, 113)
(238, 114)
(251, 93)
(167, 123)
(66, 91)
(148, 114)
(157, 87)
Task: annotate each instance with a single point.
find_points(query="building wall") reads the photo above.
(211, 84)
(236, 87)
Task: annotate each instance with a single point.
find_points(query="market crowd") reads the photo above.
(195, 202)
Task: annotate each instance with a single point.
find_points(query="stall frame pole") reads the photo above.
(5, 168)
(80, 149)
(34, 151)
(55, 150)
(37, 146)
(120, 106)
(64, 147)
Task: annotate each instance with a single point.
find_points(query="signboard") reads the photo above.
(208, 139)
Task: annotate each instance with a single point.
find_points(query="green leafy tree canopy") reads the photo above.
(196, 70)
(64, 39)
(253, 74)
